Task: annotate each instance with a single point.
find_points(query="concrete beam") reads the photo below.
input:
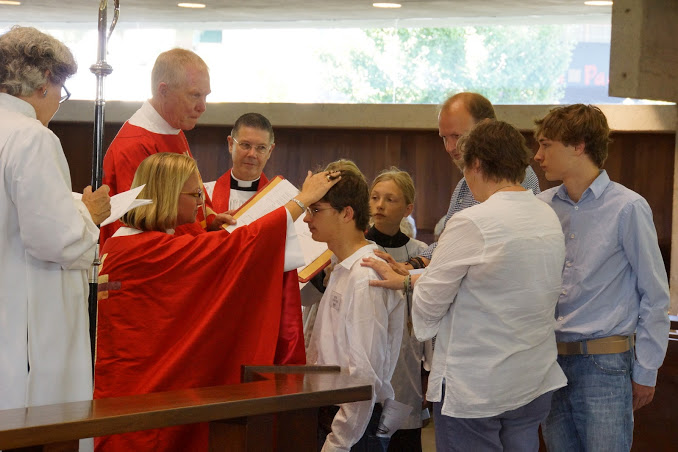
(622, 118)
(644, 50)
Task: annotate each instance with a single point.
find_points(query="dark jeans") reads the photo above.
(511, 431)
(369, 442)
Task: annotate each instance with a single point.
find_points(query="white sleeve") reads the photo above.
(53, 226)
(367, 330)
(294, 256)
(460, 246)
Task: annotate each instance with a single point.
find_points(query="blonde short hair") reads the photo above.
(164, 175)
(401, 178)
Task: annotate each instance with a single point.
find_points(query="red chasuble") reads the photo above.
(290, 348)
(129, 148)
(178, 312)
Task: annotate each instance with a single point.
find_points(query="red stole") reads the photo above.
(186, 312)
(290, 349)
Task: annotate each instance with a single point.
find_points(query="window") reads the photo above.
(510, 64)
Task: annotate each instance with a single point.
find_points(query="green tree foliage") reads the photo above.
(508, 64)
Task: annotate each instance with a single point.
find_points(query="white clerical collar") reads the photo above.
(244, 183)
(148, 118)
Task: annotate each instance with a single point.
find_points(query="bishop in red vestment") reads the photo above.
(178, 312)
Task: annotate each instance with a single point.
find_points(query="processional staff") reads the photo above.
(101, 69)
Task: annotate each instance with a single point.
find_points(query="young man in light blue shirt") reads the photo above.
(614, 287)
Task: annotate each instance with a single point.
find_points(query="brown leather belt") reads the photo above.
(602, 346)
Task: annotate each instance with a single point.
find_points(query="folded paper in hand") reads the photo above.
(122, 203)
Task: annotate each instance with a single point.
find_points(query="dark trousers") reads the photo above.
(511, 431)
(406, 440)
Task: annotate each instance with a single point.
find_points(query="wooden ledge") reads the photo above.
(280, 393)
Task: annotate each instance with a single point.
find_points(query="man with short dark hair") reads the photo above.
(250, 144)
(358, 327)
(615, 291)
(180, 85)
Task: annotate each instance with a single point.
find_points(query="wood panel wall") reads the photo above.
(641, 161)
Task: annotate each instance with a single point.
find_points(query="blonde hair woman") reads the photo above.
(179, 312)
(163, 178)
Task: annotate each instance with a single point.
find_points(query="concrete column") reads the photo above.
(644, 65)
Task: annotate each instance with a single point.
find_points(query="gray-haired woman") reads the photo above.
(47, 238)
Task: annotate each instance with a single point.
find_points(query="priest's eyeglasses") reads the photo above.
(259, 148)
(313, 210)
(196, 195)
(64, 97)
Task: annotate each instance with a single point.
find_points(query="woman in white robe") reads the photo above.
(47, 239)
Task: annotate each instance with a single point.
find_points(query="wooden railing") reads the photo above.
(275, 408)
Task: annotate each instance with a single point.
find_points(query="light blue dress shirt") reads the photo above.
(614, 280)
